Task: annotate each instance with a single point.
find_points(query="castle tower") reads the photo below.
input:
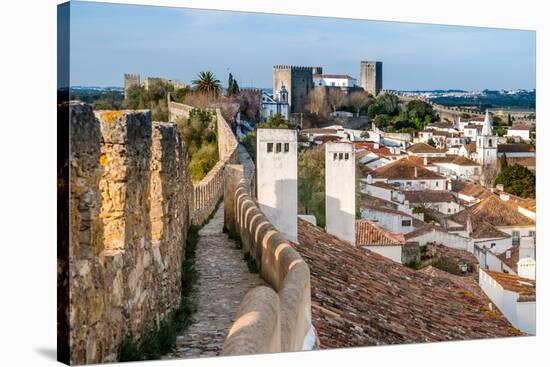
(298, 81)
(277, 162)
(130, 80)
(371, 76)
(340, 190)
(486, 143)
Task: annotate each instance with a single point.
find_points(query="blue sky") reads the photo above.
(108, 40)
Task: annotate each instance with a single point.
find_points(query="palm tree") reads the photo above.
(207, 83)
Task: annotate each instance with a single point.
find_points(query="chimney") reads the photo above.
(449, 185)
(527, 268)
(500, 187)
(508, 254)
(376, 146)
(425, 161)
(527, 247)
(369, 179)
(415, 172)
(504, 197)
(469, 228)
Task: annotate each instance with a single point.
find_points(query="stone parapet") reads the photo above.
(283, 269)
(128, 220)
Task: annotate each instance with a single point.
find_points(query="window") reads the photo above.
(515, 237)
(340, 156)
(278, 148)
(448, 210)
(270, 147)
(335, 156)
(493, 245)
(287, 147)
(346, 156)
(406, 223)
(436, 184)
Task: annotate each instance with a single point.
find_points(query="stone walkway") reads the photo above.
(246, 161)
(223, 280)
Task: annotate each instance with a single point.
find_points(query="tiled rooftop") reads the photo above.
(469, 189)
(513, 283)
(511, 261)
(360, 298)
(493, 211)
(515, 148)
(423, 148)
(404, 169)
(368, 233)
(429, 196)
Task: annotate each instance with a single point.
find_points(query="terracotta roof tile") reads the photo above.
(512, 261)
(423, 148)
(360, 298)
(368, 233)
(429, 196)
(405, 169)
(493, 211)
(515, 148)
(514, 283)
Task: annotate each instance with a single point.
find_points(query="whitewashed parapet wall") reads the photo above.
(276, 318)
(209, 190)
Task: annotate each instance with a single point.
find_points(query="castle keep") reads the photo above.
(371, 76)
(129, 81)
(298, 81)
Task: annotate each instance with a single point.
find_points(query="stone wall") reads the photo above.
(282, 315)
(209, 190)
(128, 223)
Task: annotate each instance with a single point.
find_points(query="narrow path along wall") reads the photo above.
(129, 218)
(209, 190)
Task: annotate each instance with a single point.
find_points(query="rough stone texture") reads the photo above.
(223, 280)
(129, 215)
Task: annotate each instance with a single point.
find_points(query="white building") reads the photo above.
(409, 175)
(276, 104)
(391, 219)
(513, 295)
(519, 131)
(377, 239)
(486, 143)
(277, 152)
(334, 80)
(460, 167)
(340, 190)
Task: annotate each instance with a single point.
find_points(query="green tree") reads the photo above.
(179, 94)
(311, 183)
(207, 83)
(517, 180)
(232, 86)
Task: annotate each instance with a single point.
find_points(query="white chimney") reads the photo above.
(508, 254)
(527, 247)
(376, 146)
(527, 268)
(425, 161)
(449, 185)
(415, 172)
(340, 190)
(504, 197)
(500, 187)
(369, 179)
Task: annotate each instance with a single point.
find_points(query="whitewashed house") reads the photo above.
(408, 174)
(519, 131)
(334, 80)
(513, 295)
(373, 237)
(391, 219)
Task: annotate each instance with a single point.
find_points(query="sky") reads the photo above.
(108, 40)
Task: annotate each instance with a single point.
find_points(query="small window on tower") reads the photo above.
(346, 156)
(287, 147)
(270, 147)
(335, 157)
(340, 156)
(278, 148)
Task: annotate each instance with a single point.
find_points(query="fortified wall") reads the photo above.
(128, 225)
(209, 190)
(275, 318)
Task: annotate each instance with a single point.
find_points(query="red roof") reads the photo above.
(368, 233)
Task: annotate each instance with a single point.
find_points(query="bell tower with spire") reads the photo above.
(486, 143)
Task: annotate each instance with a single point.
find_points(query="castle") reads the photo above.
(371, 76)
(298, 80)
